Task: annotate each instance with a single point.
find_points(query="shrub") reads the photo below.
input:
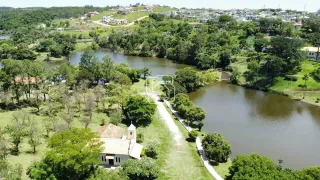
(140, 138)
(152, 150)
(193, 136)
(290, 78)
(216, 148)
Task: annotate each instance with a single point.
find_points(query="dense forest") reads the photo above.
(12, 18)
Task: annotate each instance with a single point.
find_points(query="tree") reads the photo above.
(216, 148)
(225, 59)
(255, 166)
(89, 105)
(68, 73)
(116, 116)
(188, 78)
(195, 114)
(100, 94)
(146, 72)
(73, 154)
(140, 109)
(88, 64)
(235, 75)
(34, 134)
(103, 174)
(305, 78)
(145, 168)
(107, 67)
(316, 74)
(12, 172)
(192, 136)
(152, 150)
(17, 129)
(4, 145)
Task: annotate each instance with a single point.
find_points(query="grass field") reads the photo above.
(291, 88)
(104, 13)
(192, 164)
(131, 16)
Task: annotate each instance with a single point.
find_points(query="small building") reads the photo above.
(26, 80)
(120, 21)
(117, 148)
(194, 24)
(106, 19)
(297, 25)
(311, 52)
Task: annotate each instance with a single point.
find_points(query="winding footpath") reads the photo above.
(177, 135)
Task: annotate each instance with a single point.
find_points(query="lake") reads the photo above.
(252, 121)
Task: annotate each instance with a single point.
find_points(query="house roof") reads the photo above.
(111, 131)
(116, 146)
(194, 23)
(136, 151)
(132, 127)
(310, 49)
(27, 80)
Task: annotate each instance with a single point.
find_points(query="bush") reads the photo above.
(140, 138)
(102, 122)
(216, 148)
(290, 78)
(193, 136)
(152, 150)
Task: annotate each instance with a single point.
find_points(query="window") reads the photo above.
(130, 133)
(101, 158)
(116, 159)
(119, 159)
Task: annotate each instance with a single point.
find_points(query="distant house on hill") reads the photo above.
(311, 51)
(195, 24)
(117, 148)
(297, 25)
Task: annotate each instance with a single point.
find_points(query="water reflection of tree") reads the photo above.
(270, 106)
(314, 112)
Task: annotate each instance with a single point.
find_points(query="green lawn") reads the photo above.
(307, 68)
(223, 168)
(157, 131)
(131, 16)
(82, 46)
(104, 13)
(192, 164)
(163, 9)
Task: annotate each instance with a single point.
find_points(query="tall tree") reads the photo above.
(216, 148)
(73, 154)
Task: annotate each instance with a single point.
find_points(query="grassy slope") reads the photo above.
(291, 87)
(131, 16)
(104, 13)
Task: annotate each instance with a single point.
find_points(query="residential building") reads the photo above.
(297, 25)
(311, 51)
(117, 148)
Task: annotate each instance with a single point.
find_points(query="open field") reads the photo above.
(131, 17)
(104, 13)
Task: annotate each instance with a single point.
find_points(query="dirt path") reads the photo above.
(177, 135)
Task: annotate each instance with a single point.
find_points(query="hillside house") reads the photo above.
(117, 148)
(297, 25)
(311, 51)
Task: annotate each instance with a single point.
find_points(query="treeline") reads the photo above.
(12, 18)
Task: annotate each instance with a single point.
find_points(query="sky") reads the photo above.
(311, 5)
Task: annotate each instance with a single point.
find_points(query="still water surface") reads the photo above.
(252, 121)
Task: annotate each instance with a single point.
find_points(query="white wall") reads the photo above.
(123, 158)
